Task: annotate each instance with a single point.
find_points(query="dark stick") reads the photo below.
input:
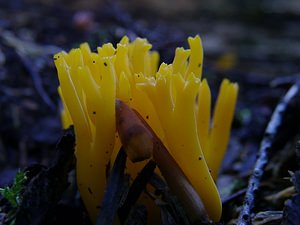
(267, 144)
(45, 189)
(136, 189)
(113, 192)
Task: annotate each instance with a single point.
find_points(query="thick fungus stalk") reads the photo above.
(172, 98)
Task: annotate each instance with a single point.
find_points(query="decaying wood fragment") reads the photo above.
(44, 191)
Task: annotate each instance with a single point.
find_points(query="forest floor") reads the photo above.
(260, 51)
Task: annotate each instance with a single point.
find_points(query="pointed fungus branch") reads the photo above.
(170, 170)
(173, 99)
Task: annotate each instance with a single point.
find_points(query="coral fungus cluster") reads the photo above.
(173, 99)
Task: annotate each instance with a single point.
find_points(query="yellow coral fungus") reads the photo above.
(173, 99)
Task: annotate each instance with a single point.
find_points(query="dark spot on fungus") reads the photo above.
(147, 117)
(91, 165)
(105, 64)
(90, 191)
(130, 99)
(55, 58)
(209, 170)
(200, 158)
(205, 178)
(107, 169)
(94, 61)
(106, 152)
(199, 65)
(94, 113)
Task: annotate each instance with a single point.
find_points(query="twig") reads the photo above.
(266, 146)
(137, 187)
(285, 80)
(113, 191)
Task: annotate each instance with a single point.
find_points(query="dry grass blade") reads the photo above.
(135, 137)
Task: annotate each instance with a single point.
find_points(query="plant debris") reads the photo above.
(113, 191)
(272, 138)
(45, 189)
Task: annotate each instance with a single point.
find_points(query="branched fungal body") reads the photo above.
(172, 98)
